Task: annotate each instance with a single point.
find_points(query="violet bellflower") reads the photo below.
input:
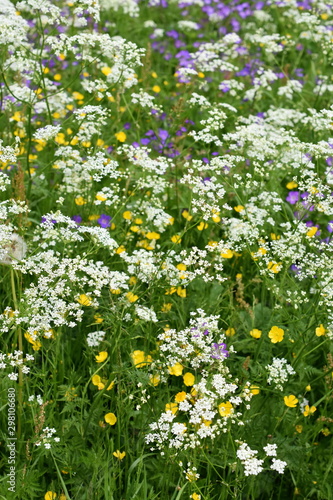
(219, 351)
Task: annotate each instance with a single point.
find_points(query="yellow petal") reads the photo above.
(50, 495)
(110, 418)
(176, 369)
(290, 401)
(189, 379)
(101, 356)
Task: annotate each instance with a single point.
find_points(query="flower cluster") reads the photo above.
(253, 465)
(212, 404)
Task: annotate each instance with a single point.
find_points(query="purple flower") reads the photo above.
(44, 219)
(150, 133)
(77, 218)
(172, 34)
(330, 226)
(145, 141)
(295, 269)
(219, 350)
(163, 135)
(224, 87)
(293, 197)
(104, 221)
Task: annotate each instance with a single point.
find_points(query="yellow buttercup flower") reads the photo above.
(176, 369)
(140, 359)
(312, 232)
(98, 318)
(96, 379)
(180, 396)
(131, 297)
(309, 410)
(120, 249)
(118, 454)
(189, 379)
(153, 236)
(102, 356)
(290, 401)
(79, 200)
(274, 267)
(320, 330)
(101, 197)
(225, 409)
(230, 332)
(202, 226)
(254, 389)
(50, 495)
(127, 215)
(176, 238)
(255, 333)
(106, 70)
(155, 380)
(228, 254)
(84, 300)
(181, 292)
(120, 136)
(291, 185)
(173, 407)
(36, 344)
(110, 418)
(239, 208)
(186, 215)
(276, 334)
(166, 307)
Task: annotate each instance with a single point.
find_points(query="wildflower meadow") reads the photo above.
(166, 251)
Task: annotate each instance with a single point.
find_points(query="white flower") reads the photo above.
(278, 465)
(94, 338)
(270, 450)
(47, 132)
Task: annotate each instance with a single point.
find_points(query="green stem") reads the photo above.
(20, 346)
(60, 478)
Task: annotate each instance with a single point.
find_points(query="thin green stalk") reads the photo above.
(20, 346)
(60, 478)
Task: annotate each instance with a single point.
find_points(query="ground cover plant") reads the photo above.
(165, 245)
